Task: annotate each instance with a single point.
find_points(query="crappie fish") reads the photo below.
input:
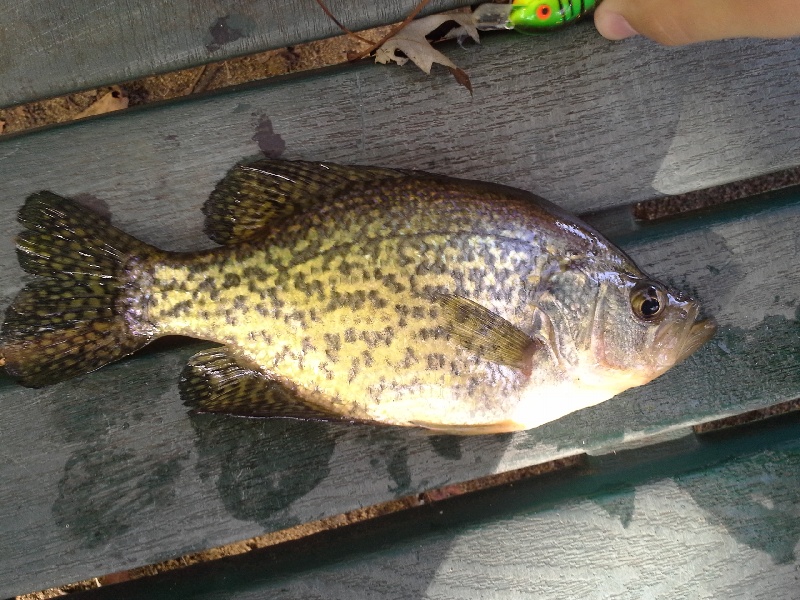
(355, 293)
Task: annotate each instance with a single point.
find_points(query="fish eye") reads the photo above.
(648, 300)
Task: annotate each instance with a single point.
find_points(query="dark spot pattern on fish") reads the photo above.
(368, 360)
(345, 269)
(329, 373)
(436, 361)
(355, 368)
(180, 308)
(375, 338)
(377, 301)
(231, 280)
(297, 317)
(436, 267)
(333, 344)
(410, 359)
(390, 281)
(254, 273)
(240, 303)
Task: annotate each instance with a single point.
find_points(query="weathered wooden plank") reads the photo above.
(581, 121)
(50, 48)
(714, 517)
(108, 471)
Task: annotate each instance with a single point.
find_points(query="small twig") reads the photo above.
(352, 34)
(206, 77)
(411, 16)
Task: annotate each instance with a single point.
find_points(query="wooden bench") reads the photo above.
(108, 471)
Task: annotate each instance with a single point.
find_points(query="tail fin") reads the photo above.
(81, 313)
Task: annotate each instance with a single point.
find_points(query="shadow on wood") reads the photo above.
(744, 480)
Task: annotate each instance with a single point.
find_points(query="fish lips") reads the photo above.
(678, 341)
(699, 333)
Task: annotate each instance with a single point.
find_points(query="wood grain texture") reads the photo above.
(684, 519)
(108, 471)
(584, 122)
(51, 48)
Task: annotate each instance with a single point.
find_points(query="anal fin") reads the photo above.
(507, 426)
(214, 381)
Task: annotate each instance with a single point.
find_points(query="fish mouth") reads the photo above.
(675, 342)
(697, 335)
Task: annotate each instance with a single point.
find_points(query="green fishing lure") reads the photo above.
(532, 16)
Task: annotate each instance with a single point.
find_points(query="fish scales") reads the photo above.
(346, 294)
(361, 293)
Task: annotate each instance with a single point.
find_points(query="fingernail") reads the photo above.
(614, 26)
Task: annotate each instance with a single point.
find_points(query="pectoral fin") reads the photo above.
(487, 334)
(214, 381)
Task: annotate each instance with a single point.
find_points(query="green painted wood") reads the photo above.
(584, 122)
(49, 48)
(108, 471)
(708, 517)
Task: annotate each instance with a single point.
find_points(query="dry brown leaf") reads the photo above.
(2, 127)
(461, 77)
(113, 100)
(412, 42)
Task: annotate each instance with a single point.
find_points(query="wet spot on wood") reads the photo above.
(620, 505)
(446, 446)
(397, 467)
(260, 467)
(228, 29)
(133, 484)
(95, 204)
(270, 143)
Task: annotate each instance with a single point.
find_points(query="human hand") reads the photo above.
(679, 22)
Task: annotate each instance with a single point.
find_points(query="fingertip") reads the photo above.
(613, 26)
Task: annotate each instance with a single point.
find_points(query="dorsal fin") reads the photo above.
(251, 195)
